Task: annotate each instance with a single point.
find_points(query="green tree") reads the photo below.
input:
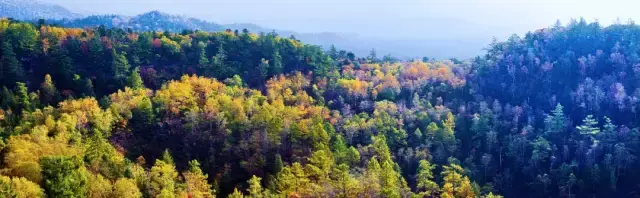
(163, 177)
(120, 67)
(589, 128)
(24, 38)
(218, 68)
(278, 164)
(346, 185)
(353, 156)
(87, 88)
(22, 97)
(424, 179)
(10, 69)
(276, 64)
(63, 176)
(47, 91)
(390, 182)
(134, 80)
(255, 188)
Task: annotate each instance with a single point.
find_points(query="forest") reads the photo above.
(109, 112)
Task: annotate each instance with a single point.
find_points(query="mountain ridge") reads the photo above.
(32, 9)
(155, 20)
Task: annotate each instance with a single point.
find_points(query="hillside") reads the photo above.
(32, 10)
(196, 114)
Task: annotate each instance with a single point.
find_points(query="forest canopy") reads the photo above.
(107, 112)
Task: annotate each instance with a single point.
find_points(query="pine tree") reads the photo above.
(278, 164)
(389, 181)
(196, 181)
(236, 194)
(424, 179)
(276, 64)
(218, 69)
(346, 185)
(22, 97)
(163, 177)
(134, 80)
(589, 128)
(48, 91)
(333, 52)
(87, 88)
(10, 68)
(373, 57)
(353, 156)
(255, 188)
(120, 67)
(455, 184)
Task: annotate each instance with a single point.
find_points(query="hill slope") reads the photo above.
(31, 9)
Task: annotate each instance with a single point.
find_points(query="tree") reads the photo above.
(24, 38)
(424, 179)
(87, 88)
(556, 123)
(19, 187)
(120, 67)
(11, 70)
(262, 71)
(134, 80)
(163, 177)
(278, 164)
(255, 188)
(47, 91)
(373, 56)
(63, 176)
(449, 124)
(389, 178)
(346, 185)
(22, 97)
(589, 128)
(218, 68)
(276, 64)
(371, 183)
(196, 181)
(98, 186)
(142, 117)
(353, 156)
(126, 188)
(236, 194)
(455, 184)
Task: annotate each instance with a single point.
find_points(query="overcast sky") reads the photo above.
(379, 18)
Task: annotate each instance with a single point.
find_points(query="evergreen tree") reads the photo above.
(120, 67)
(48, 93)
(424, 179)
(63, 176)
(11, 70)
(276, 64)
(22, 97)
(134, 80)
(255, 188)
(196, 181)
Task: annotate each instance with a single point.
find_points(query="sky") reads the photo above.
(399, 19)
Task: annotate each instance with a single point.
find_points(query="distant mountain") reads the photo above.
(159, 21)
(31, 10)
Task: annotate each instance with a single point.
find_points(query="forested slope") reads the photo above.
(111, 113)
